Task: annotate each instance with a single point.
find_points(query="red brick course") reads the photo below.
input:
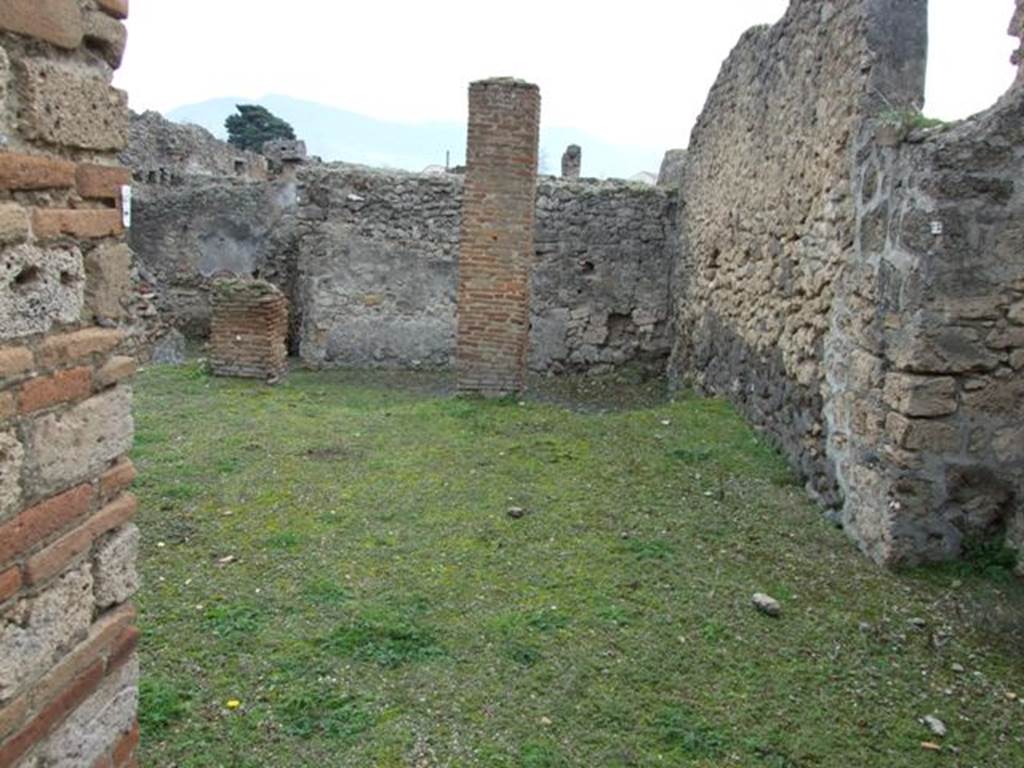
(101, 182)
(26, 172)
(48, 223)
(10, 583)
(61, 387)
(117, 479)
(55, 21)
(55, 558)
(36, 524)
(124, 751)
(52, 715)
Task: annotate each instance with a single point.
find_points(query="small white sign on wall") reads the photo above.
(126, 206)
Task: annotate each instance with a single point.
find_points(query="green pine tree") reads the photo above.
(254, 125)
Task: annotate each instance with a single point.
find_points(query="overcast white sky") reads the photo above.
(633, 73)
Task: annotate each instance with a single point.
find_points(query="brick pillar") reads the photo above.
(68, 669)
(496, 249)
(249, 330)
(572, 161)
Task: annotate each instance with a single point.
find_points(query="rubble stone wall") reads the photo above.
(68, 670)
(377, 266)
(163, 152)
(769, 217)
(379, 253)
(927, 349)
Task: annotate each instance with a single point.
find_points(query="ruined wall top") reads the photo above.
(1017, 30)
(162, 151)
(285, 150)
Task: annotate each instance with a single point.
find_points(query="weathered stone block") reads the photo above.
(922, 434)
(55, 21)
(105, 35)
(943, 350)
(921, 395)
(14, 224)
(34, 629)
(15, 361)
(114, 567)
(1003, 396)
(108, 280)
(79, 443)
(39, 287)
(64, 106)
(1008, 444)
(114, 370)
(67, 348)
(12, 457)
(1016, 313)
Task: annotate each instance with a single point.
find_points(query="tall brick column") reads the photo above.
(496, 249)
(68, 670)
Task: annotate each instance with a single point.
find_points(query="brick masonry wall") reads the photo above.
(496, 246)
(68, 673)
(249, 330)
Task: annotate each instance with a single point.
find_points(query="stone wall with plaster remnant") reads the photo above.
(68, 670)
(379, 253)
(377, 266)
(188, 234)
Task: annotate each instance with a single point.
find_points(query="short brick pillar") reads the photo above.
(496, 250)
(248, 330)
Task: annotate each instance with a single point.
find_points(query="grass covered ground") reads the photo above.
(332, 577)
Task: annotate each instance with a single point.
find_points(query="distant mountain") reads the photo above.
(336, 134)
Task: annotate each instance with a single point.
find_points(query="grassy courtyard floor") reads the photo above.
(332, 578)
